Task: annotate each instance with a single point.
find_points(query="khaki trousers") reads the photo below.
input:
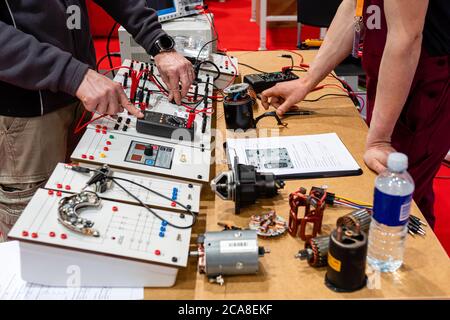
(30, 148)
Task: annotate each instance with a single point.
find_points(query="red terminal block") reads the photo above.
(173, 204)
(108, 143)
(34, 235)
(52, 234)
(115, 209)
(64, 236)
(105, 149)
(59, 185)
(98, 126)
(105, 128)
(104, 131)
(157, 252)
(50, 192)
(68, 188)
(25, 233)
(91, 158)
(59, 194)
(97, 130)
(83, 156)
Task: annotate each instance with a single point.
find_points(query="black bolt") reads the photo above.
(199, 176)
(174, 259)
(188, 207)
(190, 186)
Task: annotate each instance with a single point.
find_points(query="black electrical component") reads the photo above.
(244, 185)
(263, 81)
(238, 107)
(165, 125)
(347, 253)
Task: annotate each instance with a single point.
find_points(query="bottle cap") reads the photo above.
(397, 162)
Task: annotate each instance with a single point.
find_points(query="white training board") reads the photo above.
(171, 159)
(126, 231)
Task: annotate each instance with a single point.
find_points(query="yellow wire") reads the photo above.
(355, 201)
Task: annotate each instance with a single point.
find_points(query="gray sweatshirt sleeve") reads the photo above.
(138, 19)
(30, 64)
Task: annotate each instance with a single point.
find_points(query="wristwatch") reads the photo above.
(164, 43)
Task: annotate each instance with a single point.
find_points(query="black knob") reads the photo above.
(149, 151)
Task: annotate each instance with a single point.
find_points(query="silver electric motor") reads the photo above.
(229, 252)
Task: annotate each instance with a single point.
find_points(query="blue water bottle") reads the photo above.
(392, 203)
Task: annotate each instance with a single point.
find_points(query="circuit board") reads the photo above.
(126, 231)
(274, 158)
(128, 152)
(158, 102)
(188, 194)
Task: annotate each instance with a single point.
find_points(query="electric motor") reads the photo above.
(228, 252)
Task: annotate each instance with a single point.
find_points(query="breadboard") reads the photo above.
(126, 231)
(188, 194)
(121, 151)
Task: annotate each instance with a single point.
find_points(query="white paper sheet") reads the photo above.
(294, 155)
(12, 287)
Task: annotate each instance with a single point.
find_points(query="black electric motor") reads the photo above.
(238, 107)
(347, 253)
(244, 185)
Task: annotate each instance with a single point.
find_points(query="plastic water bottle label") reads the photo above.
(391, 210)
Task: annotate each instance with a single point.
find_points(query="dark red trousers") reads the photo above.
(423, 129)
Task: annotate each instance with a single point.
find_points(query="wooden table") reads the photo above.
(426, 269)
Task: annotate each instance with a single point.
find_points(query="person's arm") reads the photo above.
(405, 23)
(335, 48)
(142, 23)
(30, 64)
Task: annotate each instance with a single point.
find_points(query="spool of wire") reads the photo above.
(238, 107)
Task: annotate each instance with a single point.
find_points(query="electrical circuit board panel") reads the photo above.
(143, 155)
(275, 158)
(148, 97)
(125, 231)
(188, 194)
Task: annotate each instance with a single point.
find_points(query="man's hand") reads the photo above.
(104, 96)
(378, 149)
(175, 69)
(284, 96)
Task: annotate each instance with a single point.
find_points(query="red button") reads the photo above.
(105, 149)
(97, 130)
(105, 128)
(98, 126)
(59, 193)
(104, 131)
(91, 157)
(34, 235)
(115, 209)
(68, 188)
(50, 192)
(157, 252)
(108, 143)
(52, 234)
(59, 185)
(173, 204)
(136, 157)
(83, 156)
(64, 236)
(140, 147)
(24, 233)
